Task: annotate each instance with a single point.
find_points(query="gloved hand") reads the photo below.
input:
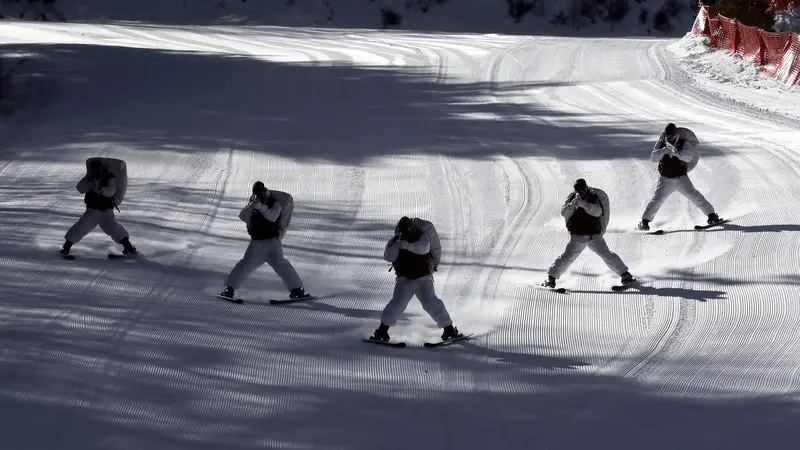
(580, 203)
(96, 185)
(402, 244)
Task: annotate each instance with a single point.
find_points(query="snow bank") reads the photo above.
(719, 65)
(729, 76)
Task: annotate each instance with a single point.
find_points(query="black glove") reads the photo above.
(571, 197)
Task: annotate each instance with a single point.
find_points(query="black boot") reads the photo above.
(644, 225)
(713, 218)
(227, 293)
(451, 332)
(298, 293)
(381, 334)
(65, 249)
(127, 248)
(627, 278)
(550, 282)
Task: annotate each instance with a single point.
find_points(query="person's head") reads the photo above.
(260, 191)
(96, 168)
(581, 188)
(670, 130)
(404, 226)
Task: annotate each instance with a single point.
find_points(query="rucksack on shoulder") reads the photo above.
(436, 245)
(287, 207)
(606, 204)
(689, 136)
(120, 171)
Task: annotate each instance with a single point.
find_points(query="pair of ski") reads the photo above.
(696, 227)
(240, 301)
(110, 256)
(401, 344)
(615, 288)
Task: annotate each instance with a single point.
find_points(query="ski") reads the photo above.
(654, 232)
(446, 342)
(238, 301)
(625, 287)
(292, 300)
(394, 344)
(620, 288)
(559, 290)
(69, 257)
(705, 227)
(119, 256)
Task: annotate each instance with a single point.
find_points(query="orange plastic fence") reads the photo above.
(776, 54)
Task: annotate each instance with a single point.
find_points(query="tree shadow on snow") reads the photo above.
(523, 359)
(97, 353)
(183, 102)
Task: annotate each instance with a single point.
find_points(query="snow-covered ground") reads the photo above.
(482, 134)
(731, 77)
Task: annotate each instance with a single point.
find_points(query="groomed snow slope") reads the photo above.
(482, 134)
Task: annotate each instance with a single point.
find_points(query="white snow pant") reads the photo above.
(404, 289)
(90, 220)
(576, 245)
(665, 188)
(268, 251)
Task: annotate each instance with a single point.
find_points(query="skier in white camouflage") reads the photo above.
(587, 211)
(267, 220)
(411, 253)
(99, 187)
(676, 157)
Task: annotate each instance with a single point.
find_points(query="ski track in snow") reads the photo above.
(135, 354)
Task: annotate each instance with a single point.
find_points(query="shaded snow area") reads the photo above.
(482, 134)
(729, 76)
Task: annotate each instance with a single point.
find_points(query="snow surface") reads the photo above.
(729, 76)
(483, 135)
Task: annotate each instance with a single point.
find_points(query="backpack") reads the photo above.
(436, 245)
(287, 207)
(120, 171)
(606, 204)
(689, 136)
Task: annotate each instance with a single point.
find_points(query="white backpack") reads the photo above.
(120, 171)
(436, 245)
(689, 136)
(606, 204)
(287, 207)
